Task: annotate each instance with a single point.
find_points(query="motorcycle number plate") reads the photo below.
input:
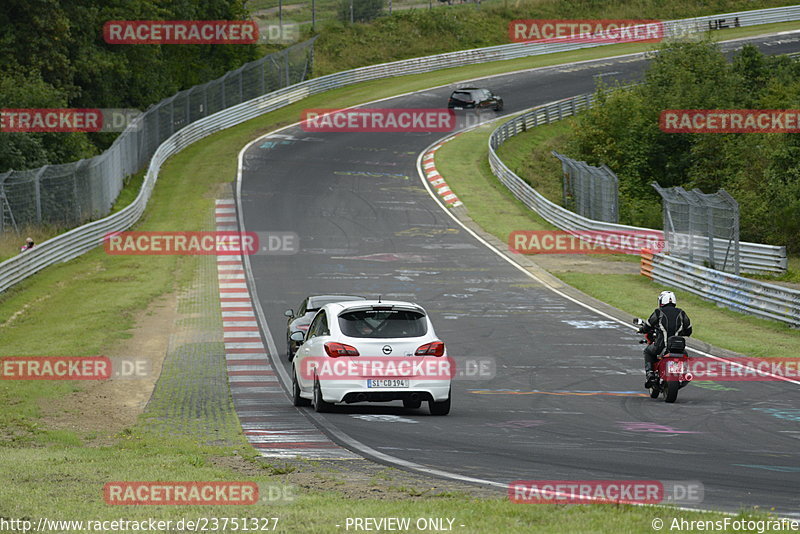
(675, 368)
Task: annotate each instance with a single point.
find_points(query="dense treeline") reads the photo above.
(760, 170)
(53, 55)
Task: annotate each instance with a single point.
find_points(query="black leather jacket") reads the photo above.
(668, 321)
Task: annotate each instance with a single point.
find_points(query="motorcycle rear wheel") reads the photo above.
(672, 391)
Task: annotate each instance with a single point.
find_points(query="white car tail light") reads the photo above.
(435, 348)
(334, 350)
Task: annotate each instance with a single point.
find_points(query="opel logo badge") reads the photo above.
(387, 349)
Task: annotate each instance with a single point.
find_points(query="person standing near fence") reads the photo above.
(29, 244)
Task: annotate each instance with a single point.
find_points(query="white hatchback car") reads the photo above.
(371, 351)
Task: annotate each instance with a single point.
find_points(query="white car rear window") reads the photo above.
(379, 324)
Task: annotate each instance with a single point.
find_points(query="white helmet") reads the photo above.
(666, 297)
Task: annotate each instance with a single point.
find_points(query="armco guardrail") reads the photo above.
(754, 257)
(75, 242)
(765, 300)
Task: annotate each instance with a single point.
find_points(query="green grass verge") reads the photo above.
(463, 163)
(74, 477)
(49, 472)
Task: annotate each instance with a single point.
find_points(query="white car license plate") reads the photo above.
(387, 383)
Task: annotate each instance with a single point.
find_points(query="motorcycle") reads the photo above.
(672, 367)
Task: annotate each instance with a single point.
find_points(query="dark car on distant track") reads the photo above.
(298, 322)
(474, 98)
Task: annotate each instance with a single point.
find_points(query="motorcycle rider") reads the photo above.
(666, 321)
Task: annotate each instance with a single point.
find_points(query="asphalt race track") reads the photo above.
(566, 401)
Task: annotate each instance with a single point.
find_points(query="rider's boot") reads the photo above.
(650, 375)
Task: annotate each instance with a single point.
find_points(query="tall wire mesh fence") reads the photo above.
(702, 228)
(69, 194)
(590, 191)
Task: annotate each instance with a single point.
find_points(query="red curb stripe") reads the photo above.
(266, 391)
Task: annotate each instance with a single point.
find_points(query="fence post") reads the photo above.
(157, 113)
(712, 252)
(4, 202)
(37, 193)
(262, 66)
(734, 234)
(222, 84)
(286, 63)
(75, 193)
